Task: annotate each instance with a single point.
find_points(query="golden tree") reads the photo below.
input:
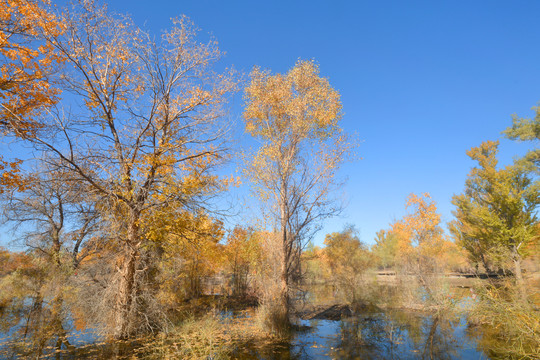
(419, 246)
(242, 252)
(348, 259)
(295, 115)
(145, 132)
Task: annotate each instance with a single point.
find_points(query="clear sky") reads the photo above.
(421, 81)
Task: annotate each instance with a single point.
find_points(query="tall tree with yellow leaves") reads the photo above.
(295, 116)
(496, 216)
(144, 134)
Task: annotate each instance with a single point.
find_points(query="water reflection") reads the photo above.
(35, 329)
(392, 335)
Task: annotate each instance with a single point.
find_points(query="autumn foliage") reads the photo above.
(27, 59)
(418, 240)
(117, 206)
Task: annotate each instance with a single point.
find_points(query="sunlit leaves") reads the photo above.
(496, 215)
(26, 60)
(417, 240)
(295, 116)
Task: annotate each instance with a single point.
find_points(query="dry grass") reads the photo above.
(511, 326)
(212, 336)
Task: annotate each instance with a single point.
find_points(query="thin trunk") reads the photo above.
(519, 276)
(284, 296)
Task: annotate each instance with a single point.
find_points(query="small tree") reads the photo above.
(242, 251)
(348, 260)
(496, 215)
(386, 248)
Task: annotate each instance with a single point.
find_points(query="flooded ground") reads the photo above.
(390, 333)
(395, 335)
(383, 335)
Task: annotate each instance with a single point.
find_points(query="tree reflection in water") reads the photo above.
(397, 335)
(38, 329)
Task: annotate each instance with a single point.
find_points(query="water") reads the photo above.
(390, 335)
(377, 335)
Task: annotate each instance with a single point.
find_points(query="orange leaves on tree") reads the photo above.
(10, 176)
(419, 236)
(300, 103)
(26, 59)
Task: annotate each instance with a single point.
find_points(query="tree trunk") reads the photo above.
(519, 276)
(126, 291)
(284, 293)
(56, 247)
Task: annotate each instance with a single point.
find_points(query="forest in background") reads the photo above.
(127, 134)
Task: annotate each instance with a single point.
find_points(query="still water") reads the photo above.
(390, 335)
(379, 335)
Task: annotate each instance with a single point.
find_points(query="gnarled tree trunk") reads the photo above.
(127, 286)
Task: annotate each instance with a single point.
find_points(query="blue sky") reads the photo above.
(421, 81)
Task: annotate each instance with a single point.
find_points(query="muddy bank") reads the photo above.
(343, 311)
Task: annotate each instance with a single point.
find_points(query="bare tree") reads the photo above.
(52, 216)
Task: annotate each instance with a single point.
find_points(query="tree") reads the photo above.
(496, 215)
(386, 248)
(418, 246)
(296, 117)
(145, 131)
(524, 129)
(242, 251)
(418, 239)
(348, 259)
(26, 60)
(53, 217)
(190, 247)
